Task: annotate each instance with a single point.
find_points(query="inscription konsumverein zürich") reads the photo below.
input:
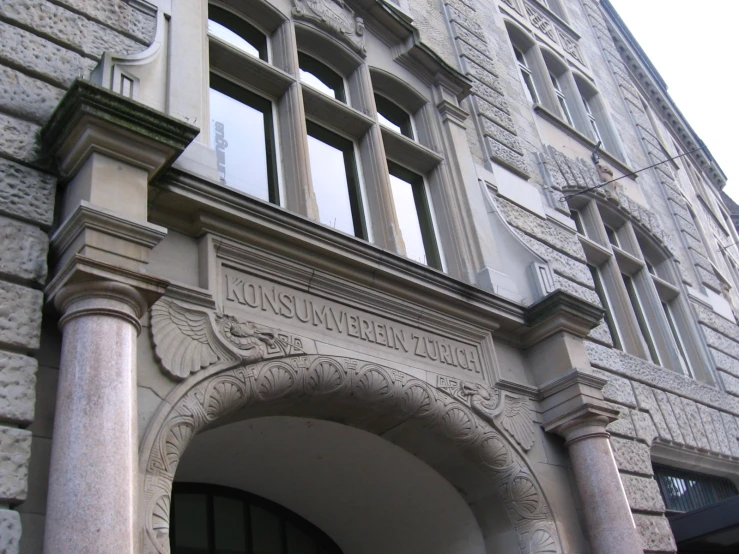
(350, 324)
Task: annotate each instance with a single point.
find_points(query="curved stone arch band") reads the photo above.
(202, 399)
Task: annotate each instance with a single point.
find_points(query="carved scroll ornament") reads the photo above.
(187, 340)
(335, 17)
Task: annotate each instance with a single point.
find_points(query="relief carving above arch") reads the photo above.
(334, 16)
(220, 379)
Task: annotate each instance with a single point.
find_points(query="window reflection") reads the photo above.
(393, 117)
(334, 177)
(321, 77)
(414, 216)
(236, 32)
(227, 35)
(242, 136)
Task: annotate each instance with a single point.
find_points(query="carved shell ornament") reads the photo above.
(187, 340)
(500, 408)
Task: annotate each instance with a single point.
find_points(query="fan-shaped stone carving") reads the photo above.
(502, 409)
(183, 338)
(193, 406)
(187, 340)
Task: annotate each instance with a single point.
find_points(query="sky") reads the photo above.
(695, 47)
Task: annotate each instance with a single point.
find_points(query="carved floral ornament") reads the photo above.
(333, 16)
(469, 416)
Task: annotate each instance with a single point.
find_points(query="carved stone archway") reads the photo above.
(206, 397)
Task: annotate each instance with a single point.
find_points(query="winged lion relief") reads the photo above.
(187, 340)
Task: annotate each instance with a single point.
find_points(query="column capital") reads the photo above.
(88, 286)
(584, 422)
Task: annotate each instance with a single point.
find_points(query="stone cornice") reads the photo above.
(560, 311)
(204, 206)
(386, 19)
(574, 378)
(655, 86)
(90, 118)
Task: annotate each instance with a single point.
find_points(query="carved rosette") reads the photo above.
(201, 400)
(335, 17)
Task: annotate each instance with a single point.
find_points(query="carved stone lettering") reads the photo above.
(315, 314)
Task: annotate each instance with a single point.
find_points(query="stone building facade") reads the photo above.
(514, 327)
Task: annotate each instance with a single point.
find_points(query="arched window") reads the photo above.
(639, 288)
(299, 119)
(209, 519)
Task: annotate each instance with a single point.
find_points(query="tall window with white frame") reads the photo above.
(561, 99)
(646, 314)
(334, 171)
(527, 76)
(333, 160)
(410, 194)
(242, 124)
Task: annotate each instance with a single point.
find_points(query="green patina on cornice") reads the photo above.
(87, 99)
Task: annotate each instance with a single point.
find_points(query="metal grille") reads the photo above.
(685, 491)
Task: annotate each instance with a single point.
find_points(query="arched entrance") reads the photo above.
(434, 427)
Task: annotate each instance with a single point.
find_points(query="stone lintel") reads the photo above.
(100, 234)
(83, 270)
(560, 311)
(90, 118)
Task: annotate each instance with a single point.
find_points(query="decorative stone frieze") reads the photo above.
(499, 408)
(207, 396)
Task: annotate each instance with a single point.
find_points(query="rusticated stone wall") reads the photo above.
(45, 45)
(657, 406)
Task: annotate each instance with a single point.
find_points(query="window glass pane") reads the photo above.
(684, 361)
(333, 182)
(240, 141)
(410, 225)
(228, 520)
(299, 542)
(266, 532)
(321, 77)
(393, 116)
(190, 523)
(612, 236)
(227, 35)
(601, 292)
(641, 318)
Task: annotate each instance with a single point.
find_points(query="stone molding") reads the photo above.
(561, 311)
(209, 395)
(90, 118)
(107, 298)
(85, 271)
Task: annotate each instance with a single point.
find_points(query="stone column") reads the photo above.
(610, 525)
(93, 475)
